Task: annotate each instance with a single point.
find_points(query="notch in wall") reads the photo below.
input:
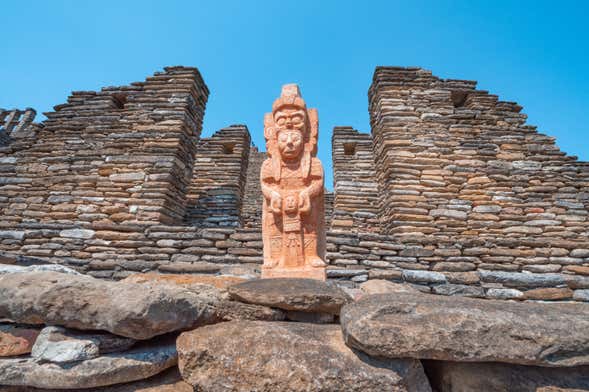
(459, 98)
(228, 148)
(119, 100)
(349, 148)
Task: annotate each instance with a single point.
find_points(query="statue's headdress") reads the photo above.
(291, 97)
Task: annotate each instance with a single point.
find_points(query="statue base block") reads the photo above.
(308, 273)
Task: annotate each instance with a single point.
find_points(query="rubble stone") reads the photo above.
(140, 362)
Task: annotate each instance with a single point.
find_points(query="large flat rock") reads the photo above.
(305, 295)
(142, 361)
(138, 311)
(501, 377)
(213, 290)
(426, 326)
(282, 356)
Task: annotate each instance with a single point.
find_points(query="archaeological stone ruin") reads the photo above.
(134, 252)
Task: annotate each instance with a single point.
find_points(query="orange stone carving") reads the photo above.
(293, 225)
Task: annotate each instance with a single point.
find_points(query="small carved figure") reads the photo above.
(292, 185)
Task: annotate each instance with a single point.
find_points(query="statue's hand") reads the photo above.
(276, 202)
(304, 202)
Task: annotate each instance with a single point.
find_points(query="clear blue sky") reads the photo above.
(532, 52)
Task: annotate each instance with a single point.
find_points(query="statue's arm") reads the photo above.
(266, 178)
(316, 186)
(267, 190)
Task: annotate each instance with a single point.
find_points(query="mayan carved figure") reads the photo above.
(292, 185)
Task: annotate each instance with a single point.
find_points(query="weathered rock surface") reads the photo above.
(11, 269)
(60, 345)
(142, 361)
(213, 290)
(16, 339)
(232, 311)
(381, 286)
(166, 381)
(138, 311)
(307, 317)
(500, 377)
(218, 281)
(305, 295)
(467, 329)
(248, 356)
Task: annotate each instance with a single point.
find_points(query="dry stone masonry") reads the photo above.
(215, 194)
(16, 123)
(356, 190)
(450, 191)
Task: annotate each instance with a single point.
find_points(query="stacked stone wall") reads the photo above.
(329, 201)
(541, 269)
(452, 159)
(355, 206)
(215, 195)
(122, 155)
(251, 212)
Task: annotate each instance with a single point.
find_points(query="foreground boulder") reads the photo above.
(138, 311)
(17, 339)
(260, 356)
(467, 329)
(60, 345)
(500, 377)
(142, 361)
(305, 295)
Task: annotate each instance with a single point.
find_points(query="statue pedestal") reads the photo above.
(308, 273)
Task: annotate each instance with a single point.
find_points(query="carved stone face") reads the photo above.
(290, 144)
(290, 204)
(290, 118)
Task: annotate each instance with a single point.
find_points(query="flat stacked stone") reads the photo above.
(356, 202)
(251, 210)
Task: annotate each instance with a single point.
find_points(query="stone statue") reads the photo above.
(292, 184)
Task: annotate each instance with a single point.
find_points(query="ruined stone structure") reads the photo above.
(450, 191)
(215, 195)
(356, 190)
(15, 124)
